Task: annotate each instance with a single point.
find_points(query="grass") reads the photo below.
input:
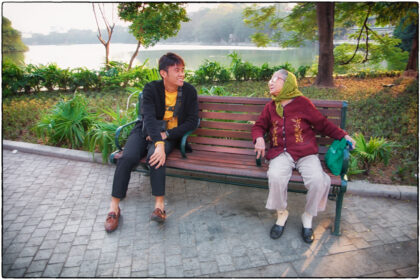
(374, 110)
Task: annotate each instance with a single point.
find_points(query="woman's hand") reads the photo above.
(260, 147)
(353, 143)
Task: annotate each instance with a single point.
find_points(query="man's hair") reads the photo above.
(170, 59)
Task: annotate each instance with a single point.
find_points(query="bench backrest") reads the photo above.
(226, 123)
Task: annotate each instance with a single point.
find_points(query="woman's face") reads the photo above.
(275, 85)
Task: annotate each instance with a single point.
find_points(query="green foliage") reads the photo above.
(287, 66)
(275, 25)
(67, 123)
(265, 72)
(406, 33)
(12, 76)
(368, 73)
(242, 70)
(384, 48)
(13, 48)
(151, 22)
(377, 149)
(300, 25)
(210, 72)
(301, 71)
(215, 90)
(20, 113)
(64, 79)
(84, 78)
(50, 74)
(101, 135)
(118, 75)
(32, 78)
(354, 168)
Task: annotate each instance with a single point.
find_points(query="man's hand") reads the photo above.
(159, 157)
(260, 147)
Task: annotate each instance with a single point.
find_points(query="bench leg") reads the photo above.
(338, 207)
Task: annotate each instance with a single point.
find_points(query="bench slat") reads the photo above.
(226, 125)
(228, 116)
(232, 107)
(233, 99)
(223, 133)
(221, 142)
(226, 150)
(220, 156)
(331, 112)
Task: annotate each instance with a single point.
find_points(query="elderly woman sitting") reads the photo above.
(290, 119)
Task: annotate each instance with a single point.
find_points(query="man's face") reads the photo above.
(275, 85)
(174, 76)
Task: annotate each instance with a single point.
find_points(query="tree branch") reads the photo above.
(367, 44)
(358, 39)
(97, 24)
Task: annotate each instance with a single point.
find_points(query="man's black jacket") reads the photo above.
(153, 108)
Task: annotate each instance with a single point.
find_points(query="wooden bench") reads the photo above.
(223, 150)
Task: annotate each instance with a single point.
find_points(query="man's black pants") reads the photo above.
(134, 150)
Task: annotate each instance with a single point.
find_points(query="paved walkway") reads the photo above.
(54, 210)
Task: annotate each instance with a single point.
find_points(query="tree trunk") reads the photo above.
(412, 60)
(107, 55)
(325, 19)
(134, 55)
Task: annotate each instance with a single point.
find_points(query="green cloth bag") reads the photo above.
(335, 155)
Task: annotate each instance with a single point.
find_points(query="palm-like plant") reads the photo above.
(377, 149)
(102, 133)
(67, 123)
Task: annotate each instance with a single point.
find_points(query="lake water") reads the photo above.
(92, 56)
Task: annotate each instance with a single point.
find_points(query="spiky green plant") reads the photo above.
(101, 135)
(377, 149)
(67, 123)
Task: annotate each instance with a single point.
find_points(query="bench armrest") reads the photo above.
(346, 158)
(118, 132)
(184, 140)
(258, 161)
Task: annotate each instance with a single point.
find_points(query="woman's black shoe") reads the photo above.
(307, 235)
(277, 231)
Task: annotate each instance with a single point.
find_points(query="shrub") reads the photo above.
(32, 78)
(67, 123)
(242, 70)
(101, 135)
(287, 66)
(377, 149)
(211, 71)
(64, 79)
(12, 77)
(50, 75)
(265, 72)
(83, 77)
(301, 72)
(214, 90)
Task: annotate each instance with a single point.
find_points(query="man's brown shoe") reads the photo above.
(158, 215)
(111, 222)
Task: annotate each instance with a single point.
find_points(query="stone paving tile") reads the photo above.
(412, 271)
(212, 230)
(53, 270)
